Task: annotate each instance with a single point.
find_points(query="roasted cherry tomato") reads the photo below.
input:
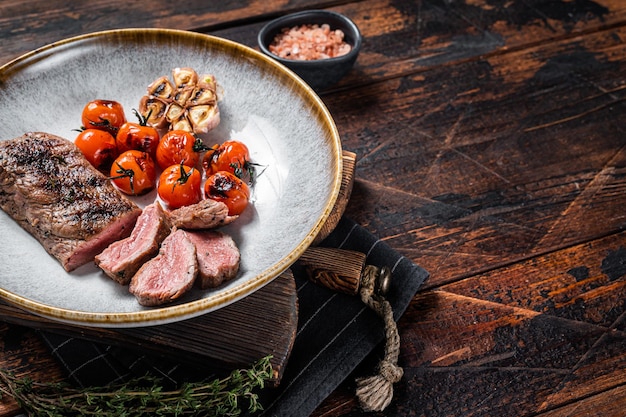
(104, 115)
(98, 147)
(138, 136)
(134, 172)
(179, 147)
(180, 185)
(226, 187)
(232, 156)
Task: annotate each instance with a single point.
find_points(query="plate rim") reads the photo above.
(171, 313)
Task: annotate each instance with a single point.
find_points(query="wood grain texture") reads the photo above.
(21, 351)
(231, 337)
(495, 167)
(518, 340)
(490, 150)
(345, 190)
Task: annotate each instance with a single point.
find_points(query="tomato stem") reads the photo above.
(247, 168)
(184, 176)
(199, 146)
(104, 123)
(143, 120)
(125, 173)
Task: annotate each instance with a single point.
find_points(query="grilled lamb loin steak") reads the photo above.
(206, 214)
(122, 259)
(51, 190)
(218, 257)
(168, 275)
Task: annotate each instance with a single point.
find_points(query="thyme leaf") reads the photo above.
(143, 396)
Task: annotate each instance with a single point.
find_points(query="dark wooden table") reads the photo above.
(491, 151)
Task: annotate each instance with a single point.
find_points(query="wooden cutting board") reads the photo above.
(263, 323)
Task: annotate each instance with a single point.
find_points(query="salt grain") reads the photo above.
(309, 42)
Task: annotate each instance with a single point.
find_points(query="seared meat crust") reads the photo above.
(207, 214)
(52, 191)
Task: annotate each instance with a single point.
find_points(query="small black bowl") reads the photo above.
(320, 73)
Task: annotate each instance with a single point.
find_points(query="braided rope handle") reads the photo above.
(376, 392)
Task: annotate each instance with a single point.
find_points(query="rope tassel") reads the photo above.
(376, 392)
(345, 271)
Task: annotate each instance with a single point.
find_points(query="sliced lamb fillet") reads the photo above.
(169, 275)
(218, 257)
(122, 259)
(50, 189)
(207, 214)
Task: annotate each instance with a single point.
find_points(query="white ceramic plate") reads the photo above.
(284, 123)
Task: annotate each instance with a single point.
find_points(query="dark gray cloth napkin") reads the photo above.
(335, 333)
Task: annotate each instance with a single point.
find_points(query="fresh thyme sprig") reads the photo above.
(141, 396)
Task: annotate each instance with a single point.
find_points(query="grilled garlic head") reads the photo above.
(189, 102)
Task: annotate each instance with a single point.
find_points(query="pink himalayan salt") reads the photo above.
(309, 42)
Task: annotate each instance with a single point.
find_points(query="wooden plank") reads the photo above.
(485, 358)
(585, 283)
(493, 161)
(231, 337)
(409, 37)
(402, 37)
(56, 20)
(462, 338)
(23, 353)
(520, 340)
(606, 404)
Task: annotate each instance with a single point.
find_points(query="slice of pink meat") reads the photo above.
(50, 189)
(122, 259)
(207, 214)
(218, 257)
(169, 275)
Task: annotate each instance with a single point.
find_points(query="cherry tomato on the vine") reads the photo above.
(180, 185)
(232, 156)
(104, 115)
(138, 136)
(134, 172)
(226, 187)
(179, 147)
(98, 146)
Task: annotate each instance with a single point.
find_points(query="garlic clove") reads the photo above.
(204, 117)
(184, 77)
(183, 95)
(161, 88)
(181, 124)
(154, 111)
(202, 94)
(174, 112)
